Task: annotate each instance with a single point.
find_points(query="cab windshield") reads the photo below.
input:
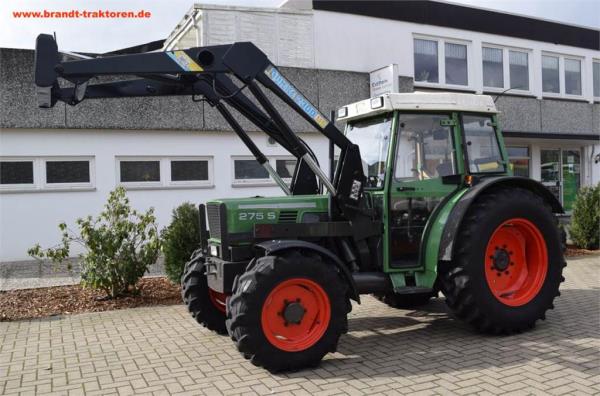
(372, 136)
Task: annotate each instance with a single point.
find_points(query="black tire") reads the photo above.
(463, 281)
(251, 289)
(194, 291)
(404, 301)
(192, 260)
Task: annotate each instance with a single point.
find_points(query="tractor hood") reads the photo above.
(237, 216)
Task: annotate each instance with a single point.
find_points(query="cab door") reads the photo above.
(425, 152)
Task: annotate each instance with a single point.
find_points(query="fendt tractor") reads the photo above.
(422, 200)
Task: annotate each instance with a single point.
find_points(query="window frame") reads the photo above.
(248, 182)
(22, 187)
(581, 76)
(562, 76)
(72, 185)
(164, 163)
(503, 154)
(40, 183)
(189, 183)
(441, 59)
(273, 162)
(139, 184)
(506, 69)
(258, 182)
(454, 159)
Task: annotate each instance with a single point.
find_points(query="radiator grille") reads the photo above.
(288, 216)
(214, 220)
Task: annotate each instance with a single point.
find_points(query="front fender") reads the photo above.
(275, 246)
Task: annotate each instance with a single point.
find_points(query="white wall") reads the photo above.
(363, 44)
(30, 217)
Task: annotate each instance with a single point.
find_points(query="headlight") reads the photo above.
(214, 251)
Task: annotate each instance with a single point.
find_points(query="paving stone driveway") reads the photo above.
(161, 350)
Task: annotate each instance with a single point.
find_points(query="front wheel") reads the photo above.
(205, 305)
(288, 311)
(507, 266)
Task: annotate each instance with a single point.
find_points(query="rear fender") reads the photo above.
(456, 215)
(278, 246)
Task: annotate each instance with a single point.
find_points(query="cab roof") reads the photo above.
(417, 101)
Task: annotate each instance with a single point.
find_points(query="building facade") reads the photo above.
(59, 164)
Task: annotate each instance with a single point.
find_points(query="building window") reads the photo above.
(519, 70)
(440, 61)
(165, 172)
(189, 170)
(249, 170)
(139, 171)
(285, 167)
(596, 68)
(561, 76)
(572, 76)
(426, 60)
(505, 69)
(456, 64)
(16, 173)
(518, 157)
(493, 67)
(550, 74)
(61, 172)
(46, 173)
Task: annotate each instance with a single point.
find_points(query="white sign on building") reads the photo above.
(384, 80)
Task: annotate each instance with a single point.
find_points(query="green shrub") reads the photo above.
(585, 219)
(180, 239)
(119, 246)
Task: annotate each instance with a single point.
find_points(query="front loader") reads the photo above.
(422, 201)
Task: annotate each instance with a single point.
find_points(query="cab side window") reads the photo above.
(425, 148)
(483, 150)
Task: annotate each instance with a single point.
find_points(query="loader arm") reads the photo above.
(207, 72)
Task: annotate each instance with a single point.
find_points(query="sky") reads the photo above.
(103, 35)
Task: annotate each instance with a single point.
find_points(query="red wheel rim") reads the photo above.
(218, 299)
(284, 326)
(516, 262)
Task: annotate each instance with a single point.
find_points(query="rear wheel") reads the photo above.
(287, 312)
(207, 306)
(508, 262)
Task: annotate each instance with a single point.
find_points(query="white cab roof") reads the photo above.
(418, 101)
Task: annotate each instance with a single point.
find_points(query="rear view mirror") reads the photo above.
(46, 58)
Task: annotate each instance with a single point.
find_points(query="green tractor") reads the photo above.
(422, 201)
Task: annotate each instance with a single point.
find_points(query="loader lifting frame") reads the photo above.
(206, 72)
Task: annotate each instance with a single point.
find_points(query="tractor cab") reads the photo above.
(416, 149)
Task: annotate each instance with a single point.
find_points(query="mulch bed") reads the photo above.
(573, 251)
(65, 300)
